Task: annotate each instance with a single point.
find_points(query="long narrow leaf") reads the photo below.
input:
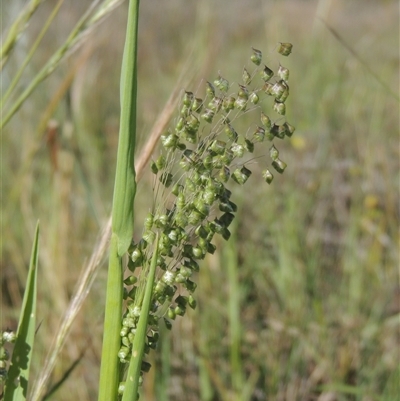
(18, 375)
(125, 184)
(109, 370)
(122, 212)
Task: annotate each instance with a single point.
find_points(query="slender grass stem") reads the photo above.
(122, 213)
(132, 381)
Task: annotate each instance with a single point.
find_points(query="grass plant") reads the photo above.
(302, 303)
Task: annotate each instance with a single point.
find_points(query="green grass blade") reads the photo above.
(31, 52)
(48, 68)
(18, 375)
(132, 380)
(125, 184)
(16, 29)
(122, 213)
(109, 370)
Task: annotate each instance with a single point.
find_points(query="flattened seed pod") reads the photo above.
(197, 252)
(208, 162)
(224, 174)
(227, 157)
(228, 206)
(284, 95)
(267, 88)
(197, 104)
(136, 255)
(190, 185)
(254, 98)
(201, 206)
(256, 56)
(168, 278)
(168, 324)
(190, 286)
(246, 77)
(121, 387)
(192, 123)
(149, 236)
(283, 73)
(124, 331)
(191, 264)
(161, 221)
(266, 74)
(273, 152)
(226, 234)
(211, 248)
(153, 167)
(259, 134)
(185, 110)
(149, 220)
(171, 313)
(188, 98)
(195, 217)
(161, 162)
(237, 150)
(278, 89)
(222, 84)
(226, 219)
(280, 108)
(228, 103)
(192, 302)
(289, 129)
(123, 353)
(209, 196)
(218, 146)
(266, 121)
(249, 145)
(279, 165)
(241, 103)
(177, 188)
(189, 135)
(285, 48)
(169, 141)
(173, 235)
(180, 124)
(185, 272)
(208, 115)
(243, 92)
(187, 161)
(201, 232)
(210, 90)
(278, 131)
(215, 104)
(240, 176)
(203, 244)
(166, 179)
(179, 310)
(179, 278)
(180, 201)
(130, 280)
(181, 219)
(230, 132)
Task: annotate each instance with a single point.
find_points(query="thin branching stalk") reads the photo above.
(90, 269)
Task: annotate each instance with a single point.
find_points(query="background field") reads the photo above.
(303, 303)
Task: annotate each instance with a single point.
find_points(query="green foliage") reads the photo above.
(17, 379)
(201, 153)
(317, 255)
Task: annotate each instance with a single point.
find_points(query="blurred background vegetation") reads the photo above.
(303, 303)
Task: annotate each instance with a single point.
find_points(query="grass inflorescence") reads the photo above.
(202, 154)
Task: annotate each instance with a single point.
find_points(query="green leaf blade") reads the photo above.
(18, 375)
